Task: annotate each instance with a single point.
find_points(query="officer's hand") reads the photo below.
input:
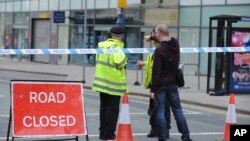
(139, 64)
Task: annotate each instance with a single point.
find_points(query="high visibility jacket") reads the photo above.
(110, 75)
(148, 74)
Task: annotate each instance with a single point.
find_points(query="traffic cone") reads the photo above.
(124, 128)
(231, 118)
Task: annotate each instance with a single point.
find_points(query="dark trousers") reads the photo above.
(109, 112)
(153, 105)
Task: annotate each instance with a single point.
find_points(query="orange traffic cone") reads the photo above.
(124, 128)
(231, 118)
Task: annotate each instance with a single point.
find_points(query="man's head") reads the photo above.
(161, 32)
(117, 32)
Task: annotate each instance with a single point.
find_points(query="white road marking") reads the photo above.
(4, 116)
(186, 111)
(145, 134)
(4, 81)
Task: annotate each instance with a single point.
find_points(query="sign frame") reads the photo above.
(81, 110)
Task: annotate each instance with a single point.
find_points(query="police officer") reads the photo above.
(110, 81)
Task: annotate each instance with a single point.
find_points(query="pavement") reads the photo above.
(194, 91)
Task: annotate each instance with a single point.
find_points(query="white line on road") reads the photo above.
(186, 111)
(4, 81)
(145, 134)
(4, 115)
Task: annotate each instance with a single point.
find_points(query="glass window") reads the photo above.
(189, 16)
(1, 36)
(17, 6)
(213, 2)
(9, 6)
(21, 18)
(53, 4)
(25, 5)
(189, 37)
(8, 40)
(2, 18)
(63, 40)
(20, 41)
(9, 18)
(64, 4)
(76, 4)
(238, 1)
(90, 4)
(100, 4)
(204, 56)
(154, 16)
(43, 5)
(33, 5)
(133, 2)
(222, 10)
(77, 41)
(133, 40)
(113, 3)
(190, 2)
(2, 6)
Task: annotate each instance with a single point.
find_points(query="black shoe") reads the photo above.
(187, 140)
(152, 133)
(105, 137)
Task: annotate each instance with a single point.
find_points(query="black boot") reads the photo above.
(152, 133)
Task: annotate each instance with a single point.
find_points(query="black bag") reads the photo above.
(180, 78)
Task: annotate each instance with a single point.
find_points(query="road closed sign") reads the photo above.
(47, 109)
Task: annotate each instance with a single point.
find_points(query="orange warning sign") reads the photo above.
(47, 108)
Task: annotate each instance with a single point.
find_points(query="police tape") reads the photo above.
(126, 50)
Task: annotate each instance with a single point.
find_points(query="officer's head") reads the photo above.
(117, 32)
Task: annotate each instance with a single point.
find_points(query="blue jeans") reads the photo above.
(171, 93)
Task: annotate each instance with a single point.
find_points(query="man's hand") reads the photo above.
(139, 64)
(152, 95)
(147, 37)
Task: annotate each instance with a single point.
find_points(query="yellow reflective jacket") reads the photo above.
(148, 74)
(110, 73)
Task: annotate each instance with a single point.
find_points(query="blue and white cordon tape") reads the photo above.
(126, 50)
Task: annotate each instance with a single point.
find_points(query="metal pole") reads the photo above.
(137, 83)
(85, 41)
(142, 75)
(120, 21)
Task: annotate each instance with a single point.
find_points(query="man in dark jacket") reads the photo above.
(164, 87)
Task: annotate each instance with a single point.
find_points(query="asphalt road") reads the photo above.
(205, 124)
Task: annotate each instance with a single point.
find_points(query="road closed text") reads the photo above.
(46, 121)
(43, 97)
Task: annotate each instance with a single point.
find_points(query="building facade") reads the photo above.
(29, 24)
